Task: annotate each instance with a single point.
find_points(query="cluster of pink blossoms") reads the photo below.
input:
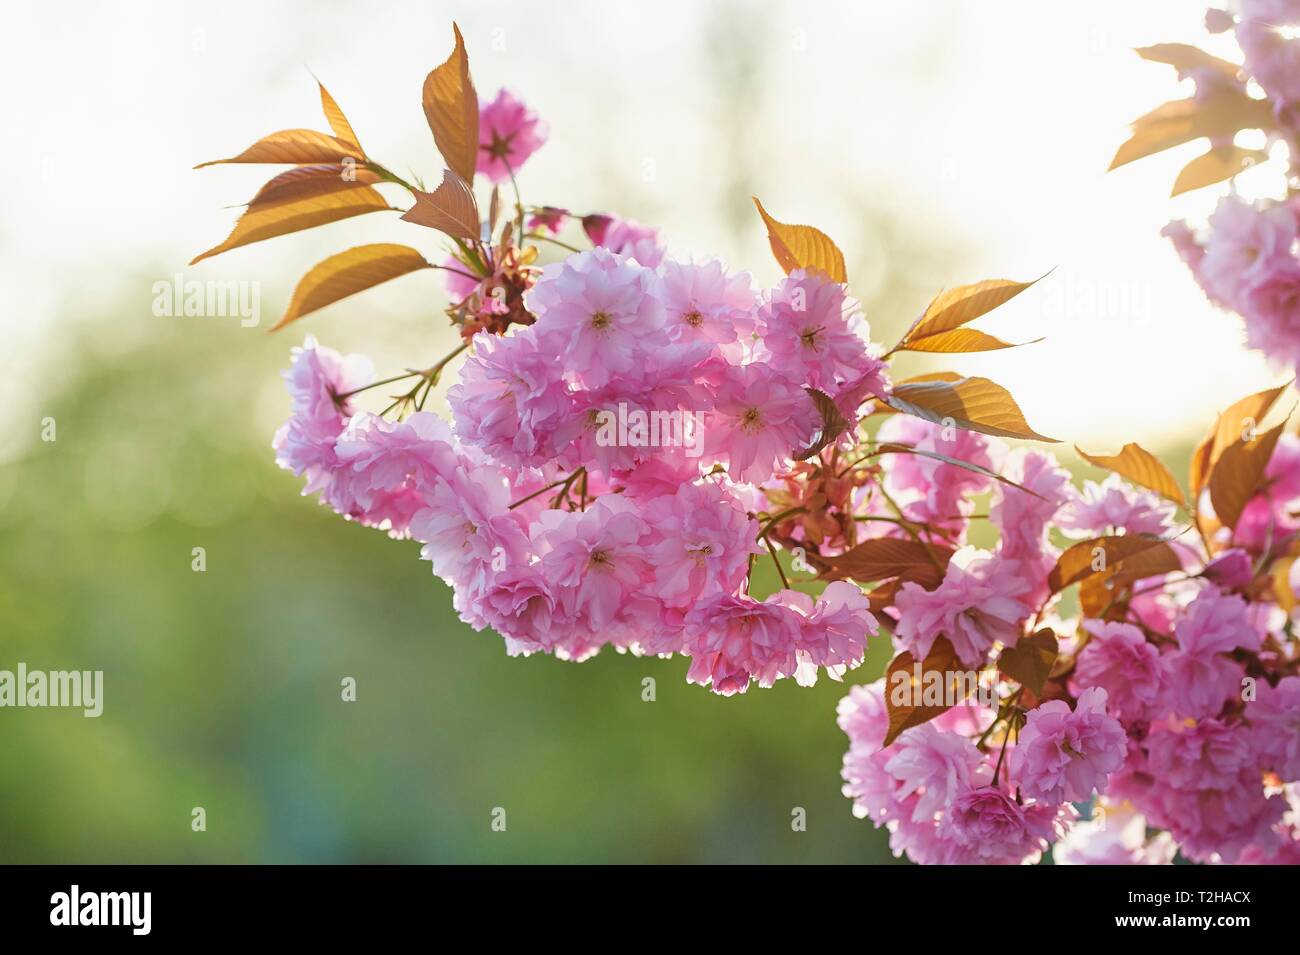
(630, 432)
(1246, 258)
(1173, 702)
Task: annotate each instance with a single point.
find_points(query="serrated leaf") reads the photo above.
(1140, 466)
(1217, 165)
(833, 423)
(451, 107)
(338, 122)
(450, 208)
(349, 272)
(1238, 474)
(941, 659)
(1031, 660)
(803, 247)
(955, 307)
(974, 404)
(268, 219)
(297, 146)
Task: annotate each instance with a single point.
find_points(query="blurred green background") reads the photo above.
(222, 688)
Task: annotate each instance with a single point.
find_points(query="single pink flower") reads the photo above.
(974, 607)
(1066, 756)
(305, 443)
(815, 332)
(508, 133)
(1119, 659)
(759, 422)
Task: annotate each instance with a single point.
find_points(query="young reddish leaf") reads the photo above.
(338, 122)
(302, 181)
(955, 307)
(450, 208)
(348, 272)
(802, 247)
(451, 107)
(296, 146)
(1141, 467)
(1031, 660)
(941, 659)
(1238, 473)
(882, 557)
(958, 341)
(1079, 561)
(834, 424)
(1220, 163)
(265, 220)
(974, 404)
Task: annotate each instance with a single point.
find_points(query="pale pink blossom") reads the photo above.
(316, 379)
(975, 606)
(759, 422)
(1119, 659)
(1066, 756)
(508, 133)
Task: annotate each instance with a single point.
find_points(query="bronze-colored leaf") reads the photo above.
(1238, 474)
(314, 180)
(1081, 560)
(883, 557)
(1220, 163)
(297, 146)
(803, 247)
(955, 307)
(1031, 660)
(905, 694)
(348, 272)
(450, 208)
(268, 219)
(833, 424)
(960, 340)
(1217, 117)
(338, 122)
(1239, 420)
(1140, 466)
(974, 404)
(451, 107)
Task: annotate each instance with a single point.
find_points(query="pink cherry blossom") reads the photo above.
(1119, 659)
(1062, 755)
(759, 422)
(1114, 506)
(508, 133)
(733, 640)
(317, 376)
(700, 543)
(814, 332)
(974, 607)
(598, 311)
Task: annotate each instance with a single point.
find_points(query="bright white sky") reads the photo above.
(990, 123)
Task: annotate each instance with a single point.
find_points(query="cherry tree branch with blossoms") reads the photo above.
(631, 433)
